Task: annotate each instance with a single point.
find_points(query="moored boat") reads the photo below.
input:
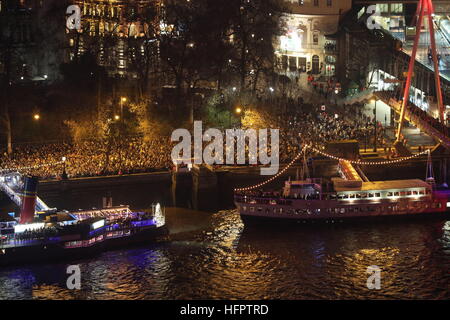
(52, 234)
(304, 201)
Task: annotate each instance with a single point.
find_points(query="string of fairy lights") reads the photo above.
(32, 167)
(275, 176)
(369, 163)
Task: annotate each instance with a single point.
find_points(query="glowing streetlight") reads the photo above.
(238, 110)
(122, 101)
(64, 173)
(36, 116)
(116, 117)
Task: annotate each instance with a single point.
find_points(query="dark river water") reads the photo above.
(213, 256)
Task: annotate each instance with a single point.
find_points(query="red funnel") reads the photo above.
(29, 200)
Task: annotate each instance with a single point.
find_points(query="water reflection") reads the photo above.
(225, 260)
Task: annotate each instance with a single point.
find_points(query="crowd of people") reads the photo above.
(417, 113)
(90, 158)
(35, 234)
(299, 123)
(425, 117)
(317, 128)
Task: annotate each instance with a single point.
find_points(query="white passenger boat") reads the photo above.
(305, 201)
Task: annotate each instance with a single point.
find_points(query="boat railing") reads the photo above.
(248, 198)
(14, 242)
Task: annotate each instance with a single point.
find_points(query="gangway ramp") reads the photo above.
(12, 185)
(350, 172)
(417, 117)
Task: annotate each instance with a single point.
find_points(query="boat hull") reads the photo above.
(296, 221)
(57, 252)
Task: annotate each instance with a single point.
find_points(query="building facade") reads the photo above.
(31, 39)
(305, 46)
(117, 32)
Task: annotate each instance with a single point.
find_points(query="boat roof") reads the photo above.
(384, 185)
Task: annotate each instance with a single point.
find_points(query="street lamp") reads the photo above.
(122, 101)
(375, 125)
(64, 174)
(36, 117)
(238, 111)
(116, 117)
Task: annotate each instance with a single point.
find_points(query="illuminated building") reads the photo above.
(305, 46)
(116, 31)
(34, 51)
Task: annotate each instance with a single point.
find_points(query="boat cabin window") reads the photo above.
(409, 193)
(377, 194)
(370, 195)
(421, 192)
(415, 192)
(389, 194)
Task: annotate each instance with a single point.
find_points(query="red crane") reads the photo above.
(425, 8)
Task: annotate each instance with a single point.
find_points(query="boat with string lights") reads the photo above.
(343, 199)
(42, 233)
